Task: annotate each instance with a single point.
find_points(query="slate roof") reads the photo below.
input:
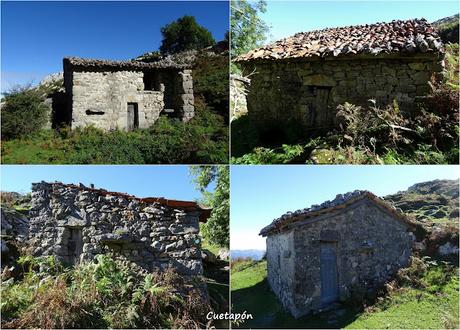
(186, 205)
(396, 37)
(165, 63)
(339, 202)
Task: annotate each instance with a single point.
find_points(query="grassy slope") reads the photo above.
(251, 293)
(217, 279)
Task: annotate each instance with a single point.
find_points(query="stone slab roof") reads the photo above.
(415, 36)
(179, 204)
(165, 63)
(338, 203)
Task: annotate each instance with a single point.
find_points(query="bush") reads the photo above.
(23, 113)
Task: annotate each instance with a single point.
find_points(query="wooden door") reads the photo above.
(328, 261)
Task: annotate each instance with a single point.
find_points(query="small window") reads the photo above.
(152, 81)
(94, 113)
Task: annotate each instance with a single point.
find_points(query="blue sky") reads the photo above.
(289, 17)
(172, 181)
(37, 35)
(261, 193)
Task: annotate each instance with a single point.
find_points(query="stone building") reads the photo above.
(300, 80)
(123, 94)
(76, 223)
(321, 255)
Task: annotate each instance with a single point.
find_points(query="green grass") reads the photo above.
(434, 307)
(208, 246)
(204, 139)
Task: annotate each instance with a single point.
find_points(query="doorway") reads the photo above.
(328, 261)
(133, 116)
(75, 244)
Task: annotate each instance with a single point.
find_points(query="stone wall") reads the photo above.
(185, 94)
(76, 223)
(371, 245)
(281, 267)
(306, 93)
(101, 99)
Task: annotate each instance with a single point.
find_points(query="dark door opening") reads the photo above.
(328, 261)
(133, 116)
(75, 245)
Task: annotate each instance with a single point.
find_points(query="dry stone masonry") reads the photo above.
(301, 79)
(328, 252)
(76, 223)
(124, 94)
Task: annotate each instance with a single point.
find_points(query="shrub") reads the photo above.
(201, 140)
(23, 113)
(105, 293)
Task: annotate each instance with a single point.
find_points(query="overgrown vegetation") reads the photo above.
(369, 135)
(210, 75)
(217, 228)
(204, 139)
(23, 112)
(100, 294)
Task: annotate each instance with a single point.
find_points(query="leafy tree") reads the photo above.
(248, 31)
(23, 112)
(216, 229)
(184, 34)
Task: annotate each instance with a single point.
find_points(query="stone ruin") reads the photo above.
(75, 223)
(299, 81)
(326, 253)
(122, 94)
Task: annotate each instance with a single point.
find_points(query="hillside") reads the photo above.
(431, 305)
(448, 28)
(430, 202)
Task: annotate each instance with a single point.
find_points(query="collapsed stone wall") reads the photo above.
(306, 93)
(76, 223)
(371, 245)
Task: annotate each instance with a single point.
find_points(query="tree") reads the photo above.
(184, 34)
(216, 229)
(248, 31)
